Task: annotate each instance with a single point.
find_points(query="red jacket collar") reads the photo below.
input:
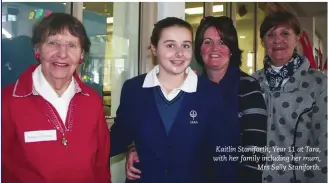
(24, 84)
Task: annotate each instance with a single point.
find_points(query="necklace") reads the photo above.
(64, 141)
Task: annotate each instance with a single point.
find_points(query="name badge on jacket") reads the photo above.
(40, 135)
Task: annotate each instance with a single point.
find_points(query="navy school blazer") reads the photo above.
(186, 154)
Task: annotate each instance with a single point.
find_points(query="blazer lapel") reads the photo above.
(149, 119)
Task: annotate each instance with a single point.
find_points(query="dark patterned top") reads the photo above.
(253, 121)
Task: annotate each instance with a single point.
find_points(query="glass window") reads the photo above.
(194, 12)
(220, 9)
(245, 29)
(113, 28)
(260, 48)
(18, 20)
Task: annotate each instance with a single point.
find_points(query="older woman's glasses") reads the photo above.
(71, 47)
(283, 36)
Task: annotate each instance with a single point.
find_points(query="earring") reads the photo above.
(37, 56)
(81, 60)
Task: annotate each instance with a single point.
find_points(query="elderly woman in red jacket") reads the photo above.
(53, 125)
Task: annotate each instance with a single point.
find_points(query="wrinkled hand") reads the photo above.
(132, 157)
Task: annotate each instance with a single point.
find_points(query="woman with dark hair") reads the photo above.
(48, 132)
(170, 113)
(296, 98)
(216, 49)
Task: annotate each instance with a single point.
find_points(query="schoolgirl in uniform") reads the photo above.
(170, 113)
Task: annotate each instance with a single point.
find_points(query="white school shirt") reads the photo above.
(189, 85)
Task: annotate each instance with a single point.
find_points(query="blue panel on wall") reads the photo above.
(17, 55)
(18, 52)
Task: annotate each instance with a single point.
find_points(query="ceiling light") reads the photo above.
(217, 8)
(83, 7)
(199, 10)
(193, 11)
(242, 37)
(110, 20)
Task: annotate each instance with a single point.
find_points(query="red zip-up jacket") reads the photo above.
(84, 159)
